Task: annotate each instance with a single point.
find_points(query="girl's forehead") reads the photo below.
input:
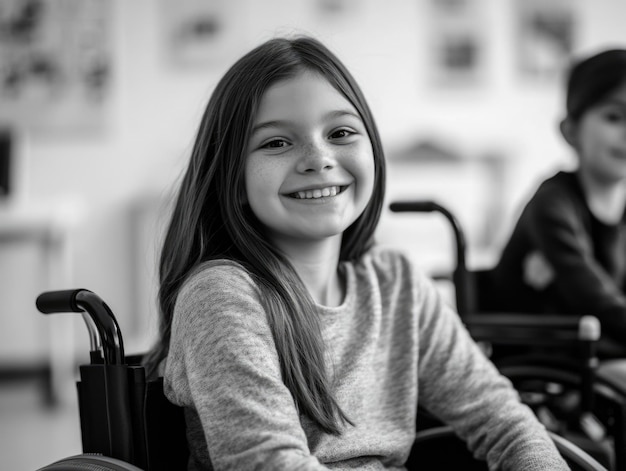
(304, 85)
(307, 91)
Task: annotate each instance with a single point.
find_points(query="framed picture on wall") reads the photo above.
(545, 37)
(201, 32)
(55, 64)
(329, 9)
(456, 29)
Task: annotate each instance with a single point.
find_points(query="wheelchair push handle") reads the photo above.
(427, 206)
(414, 206)
(52, 302)
(98, 317)
(465, 299)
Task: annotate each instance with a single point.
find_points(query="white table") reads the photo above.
(47, 227)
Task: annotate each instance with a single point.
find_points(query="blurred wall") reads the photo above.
(110, 175)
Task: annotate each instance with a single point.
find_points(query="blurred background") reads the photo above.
(99, 105)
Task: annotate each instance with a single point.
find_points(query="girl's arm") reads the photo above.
(224, 368)
(458, 384)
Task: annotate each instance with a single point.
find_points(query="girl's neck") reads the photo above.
(317, 265)
(606, 200)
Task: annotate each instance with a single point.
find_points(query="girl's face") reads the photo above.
(309, 170)
(601, 138)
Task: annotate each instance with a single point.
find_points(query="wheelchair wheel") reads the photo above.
(89, 462)
(555, 398)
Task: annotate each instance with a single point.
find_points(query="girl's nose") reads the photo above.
(316, 158)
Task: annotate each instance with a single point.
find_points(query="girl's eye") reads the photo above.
(274, 144)
(341, 133)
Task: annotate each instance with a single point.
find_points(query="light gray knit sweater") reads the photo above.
(391, 342)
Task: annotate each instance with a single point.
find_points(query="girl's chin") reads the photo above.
(319, 234)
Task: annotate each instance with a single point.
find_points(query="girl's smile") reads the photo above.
(317, 193)
(310, 165)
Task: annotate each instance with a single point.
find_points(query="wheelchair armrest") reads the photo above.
(541, 330)
(526, 329)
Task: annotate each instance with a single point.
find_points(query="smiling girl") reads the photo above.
(292, 342)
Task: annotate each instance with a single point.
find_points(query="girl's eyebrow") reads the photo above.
(277, 123)
(341, 113)
(285, 123)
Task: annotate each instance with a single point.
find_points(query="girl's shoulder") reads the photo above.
(221, 275)
(385, 256)
(562, 185)
(219, 291)
(560, 197)
(389, 264)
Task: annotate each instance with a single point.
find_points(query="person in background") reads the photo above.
(292, 342)
(567, 252)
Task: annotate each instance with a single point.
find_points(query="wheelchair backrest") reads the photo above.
(148, 432)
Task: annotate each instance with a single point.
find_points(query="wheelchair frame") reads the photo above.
(599, 394)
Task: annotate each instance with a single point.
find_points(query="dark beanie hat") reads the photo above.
(591, 79)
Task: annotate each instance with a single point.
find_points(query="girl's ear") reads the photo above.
(569, 130)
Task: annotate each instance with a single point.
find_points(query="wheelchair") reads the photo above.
(127, 423)
(551, 359)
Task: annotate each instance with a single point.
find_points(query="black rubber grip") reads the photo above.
(414, 206)
(59, 301)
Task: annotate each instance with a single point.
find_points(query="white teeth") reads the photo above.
(317, 193)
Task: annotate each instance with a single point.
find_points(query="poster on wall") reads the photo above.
(457, 43)
(545, 37)
(333, 9)
(201, 32)
(55, 64)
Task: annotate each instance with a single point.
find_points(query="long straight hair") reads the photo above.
(210, 219)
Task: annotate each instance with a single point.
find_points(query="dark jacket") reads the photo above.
(586, 256)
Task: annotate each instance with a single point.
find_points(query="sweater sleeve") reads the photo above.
(223, 364)
(458, 384)
(557, 231)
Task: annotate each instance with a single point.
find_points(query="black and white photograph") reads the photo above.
(282, 235)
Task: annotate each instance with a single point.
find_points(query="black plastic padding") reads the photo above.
(413, 206)
(59, 301)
